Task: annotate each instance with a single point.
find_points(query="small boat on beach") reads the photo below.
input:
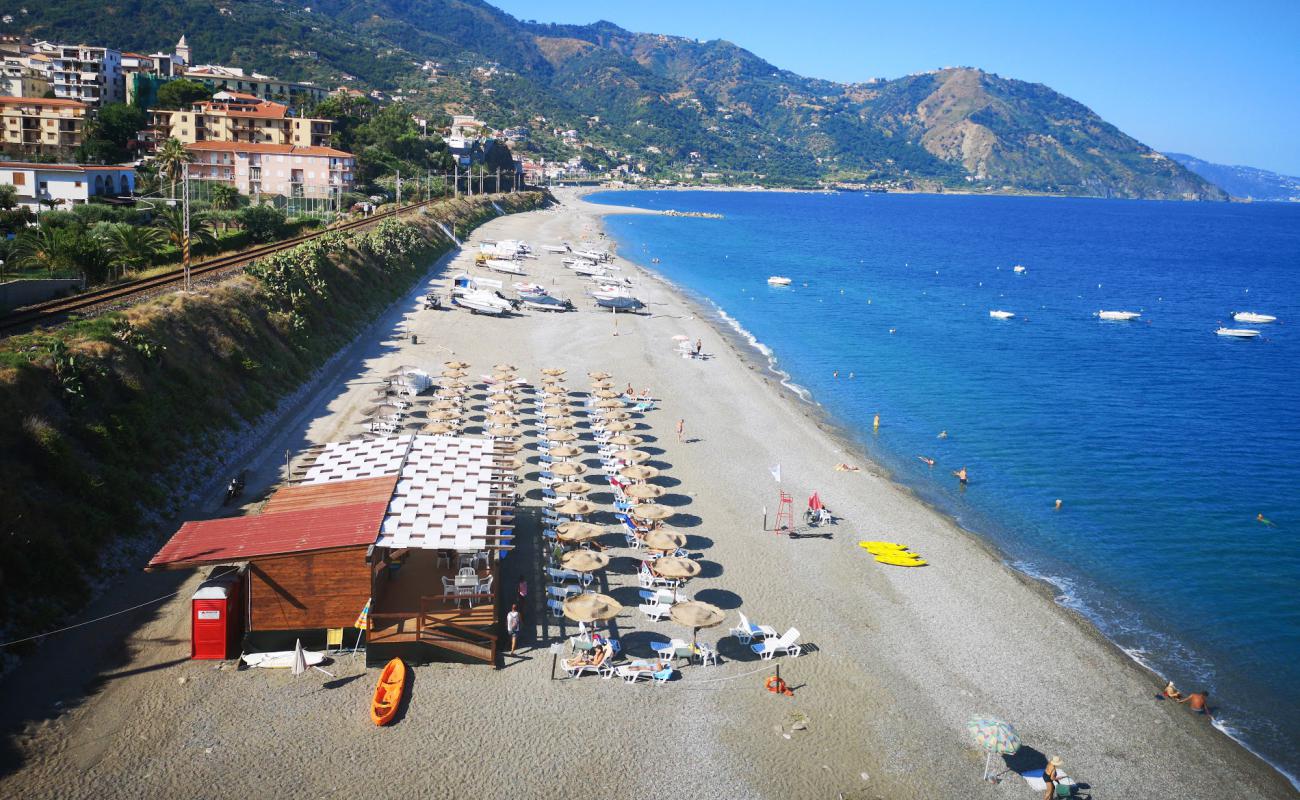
(1237, 333)
(388, 692)
(1252, 317)
(617, 304)
(544, 302)
(1118, 316)
(778, 280)
(523, 287)
(281, 659)
(555, 248)
(587, 268)
(508, 267)
(995, 314)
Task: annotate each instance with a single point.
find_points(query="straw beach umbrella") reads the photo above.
(610, 403)
(445, 414)
(503, 419)
(633, 456)
(554, 372)
(575, 508)
(606, 394)
(504, 367)
(568, 469)
(992, 735)
(445, 405)
(563, 436)
(619, 427)
(508, 448)
(555, 389)
(644, 491)
(455, 364)
(652, 512)
(676, 567)
(564, 451)
(572, 487)
(591, 607)
(584, 561)
(438, 428)
(664, 541)
(694, 614)
(574, 532)
(616, 416)
(503, 432)
(599, 376)
(639, 472)
(627, 440)
(557, 411)
(563, 422)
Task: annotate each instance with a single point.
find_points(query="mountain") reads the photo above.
(663, 105)
(1244, 182)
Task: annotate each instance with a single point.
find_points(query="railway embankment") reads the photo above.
(107, 424)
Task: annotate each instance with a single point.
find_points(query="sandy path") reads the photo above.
(900, 659)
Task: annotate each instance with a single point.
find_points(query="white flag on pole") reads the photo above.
(776, 473)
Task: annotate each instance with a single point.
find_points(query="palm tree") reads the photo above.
(43, 247)
(224, 197)
(172, 158)
(132, 246)
(171, 221)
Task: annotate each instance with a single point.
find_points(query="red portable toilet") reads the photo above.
(216, 618)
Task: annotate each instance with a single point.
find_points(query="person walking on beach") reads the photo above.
(512, 627)
(1199, 702)
(699, 347)
(681, 429)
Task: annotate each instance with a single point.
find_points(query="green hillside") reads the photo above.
(666, 106)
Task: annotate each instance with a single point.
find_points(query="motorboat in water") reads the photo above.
(1118, 316)
(508, 267)
(620, 303)
(778, 280)
(1001, 314)
(1237, 333)
(1018, 269)
(1252, 317)
(544, 302)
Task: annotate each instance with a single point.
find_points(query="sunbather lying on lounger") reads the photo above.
(646, 666)
(594, 658)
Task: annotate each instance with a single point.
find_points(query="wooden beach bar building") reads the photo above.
(414, 525)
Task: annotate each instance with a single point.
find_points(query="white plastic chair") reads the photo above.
(746, 631)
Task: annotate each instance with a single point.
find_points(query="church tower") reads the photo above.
(183, 51)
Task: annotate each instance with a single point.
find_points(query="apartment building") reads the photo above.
(239, 117)
(260, 168)
(40, 126)
(91, 75)
(64, 185)
(19, 78)
(234, 79)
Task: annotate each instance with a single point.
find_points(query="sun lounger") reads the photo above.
(746, 631)
(556, 608)
(786, 643)
(673, 650)
(657, 672)
(597, 663)
(655, 611)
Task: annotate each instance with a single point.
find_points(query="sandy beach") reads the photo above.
(895, 662)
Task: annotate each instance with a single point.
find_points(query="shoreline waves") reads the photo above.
(1061, 589)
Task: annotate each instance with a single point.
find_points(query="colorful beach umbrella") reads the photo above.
(992, 735)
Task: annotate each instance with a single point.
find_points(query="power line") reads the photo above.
(91, 621)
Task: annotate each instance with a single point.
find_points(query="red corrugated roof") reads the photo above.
(327, 516)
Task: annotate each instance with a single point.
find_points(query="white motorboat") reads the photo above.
(555, 248)
(1001, 314)
(281, 659)
(609, 292)
(1252, 317)
(481, 303)
(1118, 316)
(508, 267)
(529, 288)
(592, 255)
(544, 302)
(583, 268)
(1237, 333)
(778, 280)
(1018, 269)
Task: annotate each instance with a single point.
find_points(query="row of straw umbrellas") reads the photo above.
(609, 413)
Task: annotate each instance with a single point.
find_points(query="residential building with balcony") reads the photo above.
(260, 168)
(65, 185)
(40, 126)
(234, 79)
(91, 75)
(19, 78)
(237, 117)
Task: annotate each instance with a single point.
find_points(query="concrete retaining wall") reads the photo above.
(25, 292)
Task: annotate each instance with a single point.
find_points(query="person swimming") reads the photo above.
(1058, 504)
(1265, 520)
(943, 435)
(961, 475)
(928, 461)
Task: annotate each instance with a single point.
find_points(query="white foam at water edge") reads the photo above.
(799, 391)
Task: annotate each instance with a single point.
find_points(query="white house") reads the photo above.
(65, 184)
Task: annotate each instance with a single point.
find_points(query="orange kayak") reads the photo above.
(388, 693)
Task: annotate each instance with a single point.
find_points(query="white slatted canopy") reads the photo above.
(451, 492)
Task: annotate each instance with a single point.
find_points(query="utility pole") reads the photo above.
(456, 180)
(399, 188)
(185, 213)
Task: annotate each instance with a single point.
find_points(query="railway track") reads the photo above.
(101, 300)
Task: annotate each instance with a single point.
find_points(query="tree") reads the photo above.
(171, 221)
(133, 246)
(224, 197)
(44, 248)
(263, 223)
(108, 136)
(171, 159)
(8, 196)
(182, 93)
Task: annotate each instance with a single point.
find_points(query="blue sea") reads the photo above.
(1162, 440)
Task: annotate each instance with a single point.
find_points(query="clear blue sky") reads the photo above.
(1219, 80)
